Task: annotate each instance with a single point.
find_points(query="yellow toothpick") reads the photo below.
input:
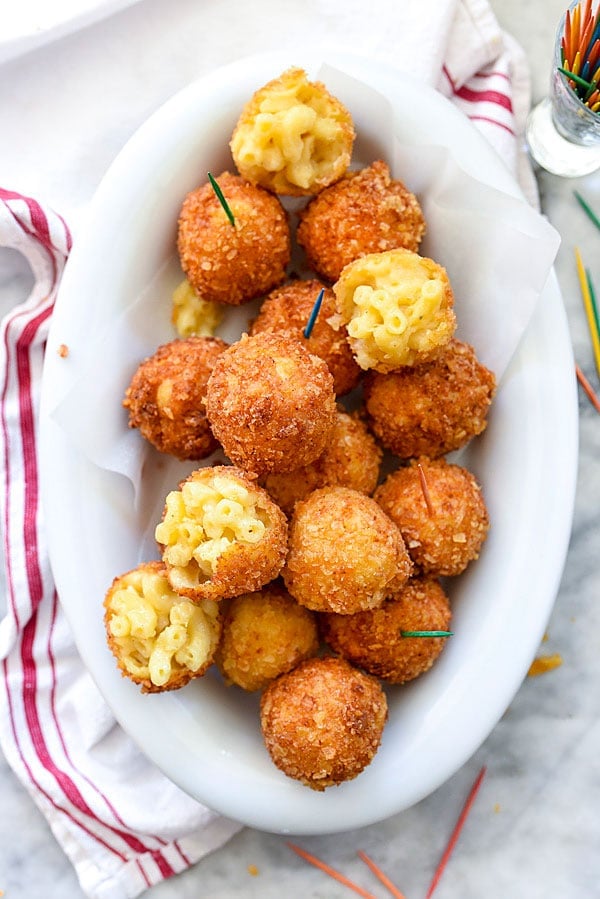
(589, 309)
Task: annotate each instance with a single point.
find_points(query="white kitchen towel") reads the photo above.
(122, 823)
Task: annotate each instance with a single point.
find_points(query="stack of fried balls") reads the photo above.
(297, 569)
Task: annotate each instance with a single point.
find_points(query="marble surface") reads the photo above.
(534, 830)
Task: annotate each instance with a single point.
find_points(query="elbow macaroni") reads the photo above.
(397, 307)
(193, 316)
(206, 518)
(159, 638)
(293, 137)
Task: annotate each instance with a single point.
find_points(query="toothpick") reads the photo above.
(221, 198)
(589, 308)
(380, 875)
(313, 315)
(426, 633)
(588, 389)
(313, 860)
(425, 490)
(455, 833)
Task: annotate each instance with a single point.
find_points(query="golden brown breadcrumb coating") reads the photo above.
(441, 542)
(293, 137)
(397, 307)
(365, 212)
(288, 308)
(221, 535)
(322, 723)
(233, 263)
(165, 398)
(351, 459)
(373, 640)
(265, 634)
(433, 408)
(270, 403)
(345, 554)
(160, 640)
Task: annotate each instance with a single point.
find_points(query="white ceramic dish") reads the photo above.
(205, 737)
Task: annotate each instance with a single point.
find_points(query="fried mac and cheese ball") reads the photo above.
(288, 309)
(345, 555)
(160, 640)
(444, 540)
(165, 398)
(265, 634)
(221, 535)
(365, 212)
(351, 459)
(293, 137)
(373, 640)
(233, 263)
(397, 307)
(322, 723)
(433, 408)
(270, 403)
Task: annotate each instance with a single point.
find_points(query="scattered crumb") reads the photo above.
(63, 352)
(572, 619)
(545, 637)
(497, 807)
(253, 870)
(543, 664)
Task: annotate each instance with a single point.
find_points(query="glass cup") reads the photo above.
(562, 133)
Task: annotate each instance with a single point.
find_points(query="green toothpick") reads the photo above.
(426, 633)
(579, 81)
(587, 209)
(221, 199)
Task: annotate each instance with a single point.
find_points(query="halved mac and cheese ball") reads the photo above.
(365, 212)
(165, 398)
(293, 137)
(270, 403)
(228, 263)
(373, 640)
(265, 634)
(351, 459)
(160, 639)
(288, 309)
(397, 308)
(433, 408)
(345, 555)
(221, 535)
(322, 723)
(443, 518)
(192, 315)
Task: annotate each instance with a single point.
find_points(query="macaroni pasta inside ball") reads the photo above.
(293, 137)
(397, 307)
(221, 535)
(160, 639)
(192, 315)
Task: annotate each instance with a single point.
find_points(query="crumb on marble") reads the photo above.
(252, 870)
(543, 664)
(496, 807)
(63, 351)
(545, 638)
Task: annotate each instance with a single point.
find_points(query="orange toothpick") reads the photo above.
(455, 833)
(575, 28)
(425, 489)
(568, 43)
(588, 389)
(313, 860)
(380, 875)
